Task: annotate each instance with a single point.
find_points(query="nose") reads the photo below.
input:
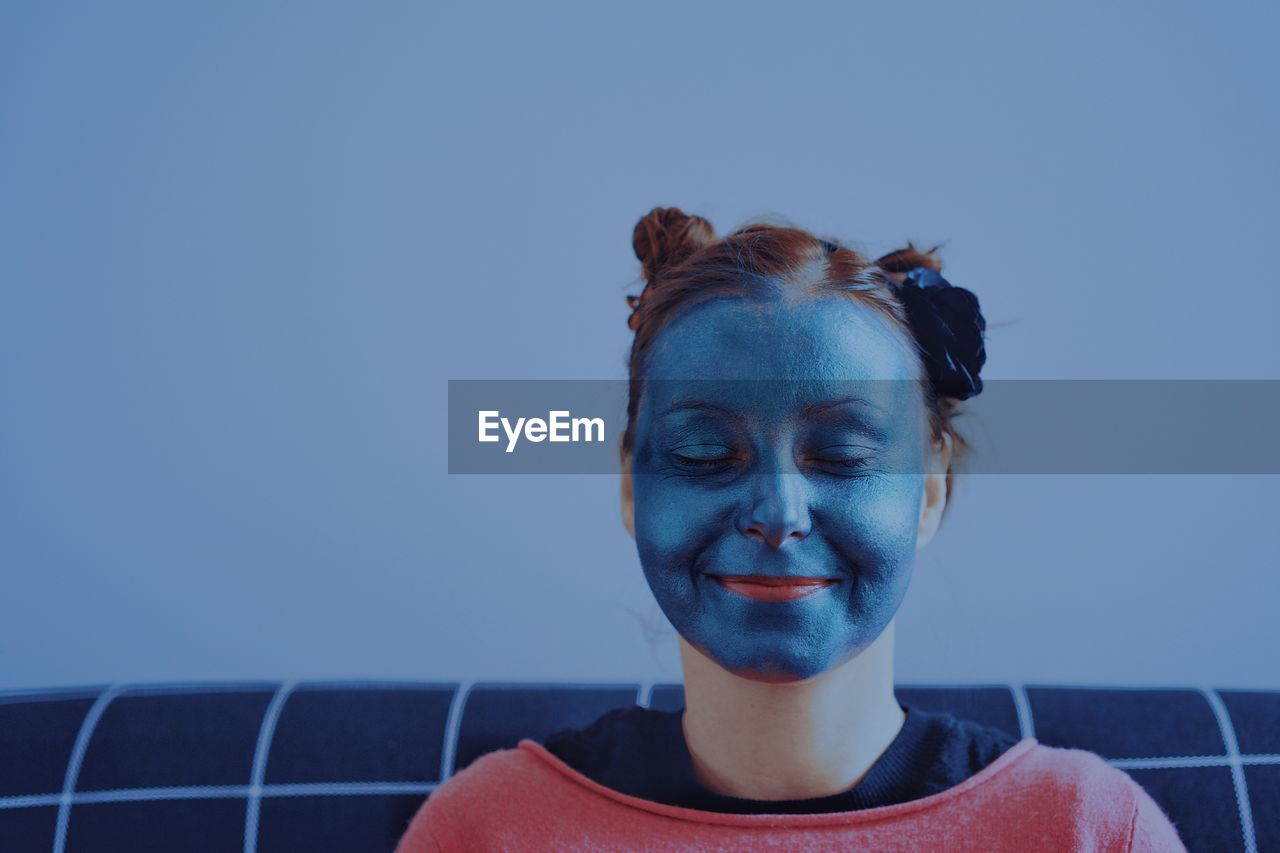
(779, 510)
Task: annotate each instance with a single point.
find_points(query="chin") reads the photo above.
(769, 666)
(772, 676)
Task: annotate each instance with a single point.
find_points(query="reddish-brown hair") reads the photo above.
(684, 263)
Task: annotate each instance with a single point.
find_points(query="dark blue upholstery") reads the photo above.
(343, 766)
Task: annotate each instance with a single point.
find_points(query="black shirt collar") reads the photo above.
(642, 752)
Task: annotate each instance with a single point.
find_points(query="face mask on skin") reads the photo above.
(740, 467)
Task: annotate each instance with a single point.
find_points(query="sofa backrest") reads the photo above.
(324, 766)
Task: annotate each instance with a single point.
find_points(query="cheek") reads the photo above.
(876, 524)
(674, 531)
(672, 524)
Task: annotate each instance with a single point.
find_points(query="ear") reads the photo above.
(628, 497)
(935, 492)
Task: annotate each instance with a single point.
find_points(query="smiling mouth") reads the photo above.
(766, 588)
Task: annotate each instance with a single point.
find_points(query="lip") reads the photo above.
(770, 588)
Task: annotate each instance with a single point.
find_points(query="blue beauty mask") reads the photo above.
(750, 460)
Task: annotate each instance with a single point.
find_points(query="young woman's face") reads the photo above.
(747, 462)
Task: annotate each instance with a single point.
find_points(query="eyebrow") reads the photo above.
(809, 410)
(813, 409)
(695, 405)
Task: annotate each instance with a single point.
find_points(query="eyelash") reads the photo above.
(694, 462)
(847, 464)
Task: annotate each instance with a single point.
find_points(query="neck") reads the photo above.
(789, 741)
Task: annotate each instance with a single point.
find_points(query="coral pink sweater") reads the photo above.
(1033, 797)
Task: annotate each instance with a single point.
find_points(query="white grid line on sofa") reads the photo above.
(1026, 723)
(260, 753)
(453, 728)
(73, 764)
(1237, 770)
(325, 789)
(217, 792)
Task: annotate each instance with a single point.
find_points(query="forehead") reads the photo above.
(783, 352)
(829, 338)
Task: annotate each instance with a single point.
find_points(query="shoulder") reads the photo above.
(498, 789)
(1067, 770)
(504, 777)
(1103, 802)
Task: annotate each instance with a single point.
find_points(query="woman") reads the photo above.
(789, 447)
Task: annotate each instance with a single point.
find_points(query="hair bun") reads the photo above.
(666, 236)
(905, 260)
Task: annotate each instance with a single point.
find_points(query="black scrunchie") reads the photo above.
(949, 326)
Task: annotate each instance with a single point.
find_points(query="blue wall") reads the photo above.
(243, 247)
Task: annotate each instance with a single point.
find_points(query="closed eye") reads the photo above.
(845, 463)
(699, 462)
